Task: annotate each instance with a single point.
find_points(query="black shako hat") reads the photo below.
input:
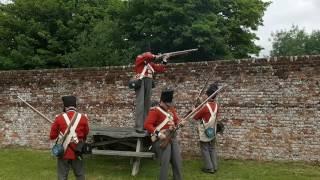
(167, 96)
(69, 101)
(211, 89)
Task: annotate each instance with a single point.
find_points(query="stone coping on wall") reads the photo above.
(244, 60)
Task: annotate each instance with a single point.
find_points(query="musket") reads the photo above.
(164, 143)
(38, 112)
(35, 110)
(166, 56)
(196, 101)
(205, 85)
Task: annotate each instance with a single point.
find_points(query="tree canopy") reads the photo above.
(81, 33)
(295, 42)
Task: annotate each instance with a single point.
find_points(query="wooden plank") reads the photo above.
(136, 163)
(118, 129)
(102, 143)
(123, 153)
(132, 145)
(116, 132)
(118, 141)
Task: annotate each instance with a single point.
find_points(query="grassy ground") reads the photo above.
(17, 164)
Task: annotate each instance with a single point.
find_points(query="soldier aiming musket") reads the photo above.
(145, 67)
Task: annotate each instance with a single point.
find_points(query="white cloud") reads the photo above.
(282, 14)
(5, 1)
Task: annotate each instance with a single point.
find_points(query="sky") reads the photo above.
(282, 14)
(4, 1)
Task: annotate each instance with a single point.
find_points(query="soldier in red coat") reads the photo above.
(160, 119)
(207, 116)
(77, 134)
(145, 69)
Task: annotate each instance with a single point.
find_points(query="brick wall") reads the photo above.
(271, 107)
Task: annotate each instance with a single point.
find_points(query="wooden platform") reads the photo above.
(124, 142)
(123, 153)
(116, 132)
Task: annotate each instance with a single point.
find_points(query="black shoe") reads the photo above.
(140, 131)
(211, 171)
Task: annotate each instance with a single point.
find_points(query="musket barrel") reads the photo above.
(35, 110)
(205, 101)
(42, 115)
(166, 141)
(176, 53)
(181, 52)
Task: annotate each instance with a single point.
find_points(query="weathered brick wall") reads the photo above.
(271, 107)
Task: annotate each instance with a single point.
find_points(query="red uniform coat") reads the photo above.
(144, 59)
(82, 131)
(204, 112)
(155, 117)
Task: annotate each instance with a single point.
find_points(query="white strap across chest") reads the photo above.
(210, 124)
(72, 133)
(67, 120)
(148, 66)
(143, 72)
(212, 113)
(165, 121)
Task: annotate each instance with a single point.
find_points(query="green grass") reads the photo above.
(16, 164)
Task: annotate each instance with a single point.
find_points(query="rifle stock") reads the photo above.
(164, 142)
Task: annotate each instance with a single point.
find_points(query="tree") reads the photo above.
(105, 43)
(34, 33)
(104, 46)
(295, 42)
(220, 28)
(81, 33)
(313, 43)
(42, 33)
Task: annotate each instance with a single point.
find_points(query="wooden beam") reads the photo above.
(116, 132)
(118, 141)
(123, 153)
(104, 143)
(136, 163)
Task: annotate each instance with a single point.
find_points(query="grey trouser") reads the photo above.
(171, 154)
(209, 155)
(143, 102)
(64, 167)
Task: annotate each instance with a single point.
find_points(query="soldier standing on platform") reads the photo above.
(208, 117)
(77, 135)
(145, 68)
(159, 121)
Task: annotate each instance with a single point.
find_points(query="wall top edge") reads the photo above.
(236, 61)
